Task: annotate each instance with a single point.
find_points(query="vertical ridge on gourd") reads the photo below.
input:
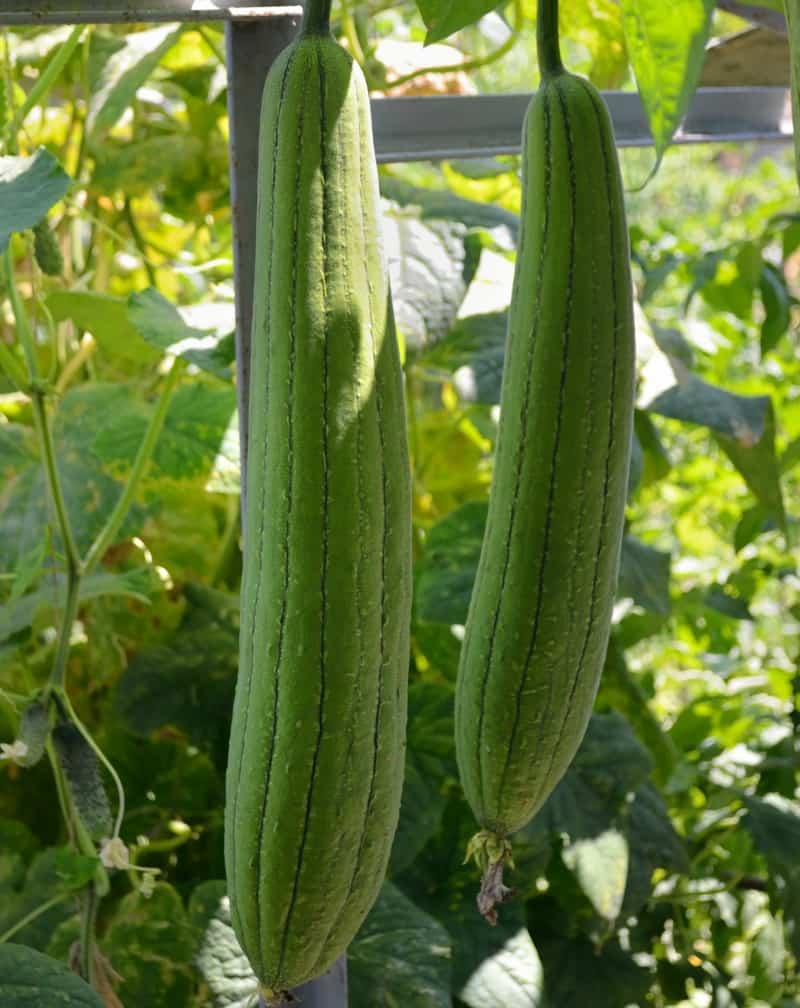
(540, 613)
(317, 739)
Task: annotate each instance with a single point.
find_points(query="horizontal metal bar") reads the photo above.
(111, 11)
(434, 128)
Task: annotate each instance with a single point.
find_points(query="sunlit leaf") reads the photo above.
(666, 44)
(29, 186)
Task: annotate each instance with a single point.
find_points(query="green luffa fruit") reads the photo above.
(318, 735)
(538, 624)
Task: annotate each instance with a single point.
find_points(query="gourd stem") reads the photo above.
(547, 44)
(317, 17)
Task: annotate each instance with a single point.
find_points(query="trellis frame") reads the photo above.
(405, 129)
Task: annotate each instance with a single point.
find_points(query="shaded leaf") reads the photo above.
(576, 974)
(151, 944)
(29, 979)
(644, 575)
(473, 351)
(401, 955)
(430, 763)
(774, 825)
(446, 571)
(29, 186)
(140, 584)
(777, 307)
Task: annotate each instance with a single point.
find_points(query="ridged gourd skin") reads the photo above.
(317, 741)
(538, 623)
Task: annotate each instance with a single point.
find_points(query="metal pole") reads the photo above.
(251, 48)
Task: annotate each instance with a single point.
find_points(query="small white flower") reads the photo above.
(114, 853)
(13, 751)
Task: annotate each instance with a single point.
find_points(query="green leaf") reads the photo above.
(743, 426)
(106, 318)
(28, 188)
(430, 269)
(150, 943)
(777, 307)
(118, 70)
(652, 843)
(609, 765)
(164, 326)
(666, 44)
(200, 437)
(54, 871)
(140, 584)
(446, 571)
(159, 685)
(220, 959)
(512, 976)
(442, 204)
(29, 979)
(29, 569)
(139, 168)
(443, 17)
(400, 956)
(656, 463)
(600, 864)
(644, 576)
(774, 824)
(473, 352)
(430, 763)
(575, 973)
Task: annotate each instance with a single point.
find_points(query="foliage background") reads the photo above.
(663, 870)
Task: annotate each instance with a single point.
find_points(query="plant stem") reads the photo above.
(20, 317)
(53, 481)
(37, 912)
(48, 76)
(547, 44)
(88, 915)
(59, 670)
(118, 514)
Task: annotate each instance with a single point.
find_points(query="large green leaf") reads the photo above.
(443, 17)
(430, 764)
(666, 43)
(431, 264)
(200, 437)
(400, 956)
(511, 976)
(29, 979)
(150, 944)
(445, 573)
(139, 584)
(106, 318)
(472, 354)
(29, 186)
(164, 326)
(644, 575)
(118, 68)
